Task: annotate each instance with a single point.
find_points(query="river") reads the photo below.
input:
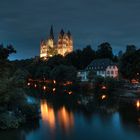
(61, 123)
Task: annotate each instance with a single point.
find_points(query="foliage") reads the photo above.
(63, 73)
(131, 61)
(55, 61)
(12, 94)
(104, 51)
(81, 58)
(43, 71)
(30, 110)
(5, 52)
(130, 49)
(10, 120)
(111, 83)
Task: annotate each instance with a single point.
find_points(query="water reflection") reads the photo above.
(47, 114)
(52, 117)
(60, 123)
(66, 119)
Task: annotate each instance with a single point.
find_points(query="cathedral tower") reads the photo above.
(64, 45)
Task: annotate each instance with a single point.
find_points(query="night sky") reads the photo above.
(25, 22)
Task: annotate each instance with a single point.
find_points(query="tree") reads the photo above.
(130, 48)
(75, 59)
(63, 73)
(55, 61)
(130, 64)
(42, 71)
(120, 54)
(104, 51)
(88, 55)
(81, 58)
(5, 52)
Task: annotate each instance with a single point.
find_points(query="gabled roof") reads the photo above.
(100, 64)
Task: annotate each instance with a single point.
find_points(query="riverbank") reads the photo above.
(15, 117)
(88, 100)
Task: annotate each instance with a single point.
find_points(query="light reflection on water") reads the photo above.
(62, 117)
(57, 123)
(47, 114)
(66, 119)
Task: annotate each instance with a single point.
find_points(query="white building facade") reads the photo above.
(103, 67)
(82, 75)
(112, 71)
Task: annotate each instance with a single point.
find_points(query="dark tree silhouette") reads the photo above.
(6, 51)
(130, 64)
(104, 51)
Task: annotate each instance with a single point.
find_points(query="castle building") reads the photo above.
(62, 46)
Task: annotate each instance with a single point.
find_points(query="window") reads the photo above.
(112, 72)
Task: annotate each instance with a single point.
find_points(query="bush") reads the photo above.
(30, 110)
(9, 120)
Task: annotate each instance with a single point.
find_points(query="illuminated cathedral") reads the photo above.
(62, 46)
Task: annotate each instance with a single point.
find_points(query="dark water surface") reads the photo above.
(61, 123)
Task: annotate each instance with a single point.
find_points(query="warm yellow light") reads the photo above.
(44, 87)
(28, 84)
(54, 89)
(70, 92)
(138, 104)
(104, 87)
(54, 81)
(65, 118)
(103, 97)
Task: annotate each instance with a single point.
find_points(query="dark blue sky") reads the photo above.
(25, 22)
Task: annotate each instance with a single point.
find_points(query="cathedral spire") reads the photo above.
(62, 32)
(69, 34)
(51, 33)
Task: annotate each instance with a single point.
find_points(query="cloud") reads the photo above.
(25, 22)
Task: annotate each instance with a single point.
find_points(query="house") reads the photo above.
(82, 75)
(103, 67)
(112, 71)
